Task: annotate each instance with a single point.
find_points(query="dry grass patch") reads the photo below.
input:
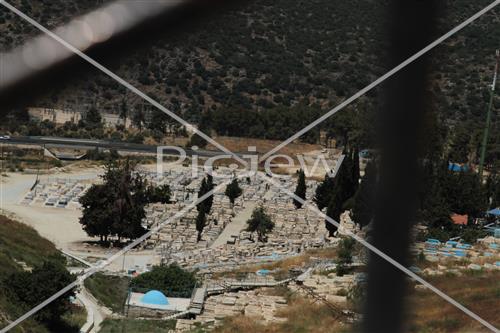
(241, 145)
(301, 316)
(478, 291)
(282, 267)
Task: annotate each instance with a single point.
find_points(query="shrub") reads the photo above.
(172, 280)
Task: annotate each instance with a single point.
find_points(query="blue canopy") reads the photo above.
(495, 212)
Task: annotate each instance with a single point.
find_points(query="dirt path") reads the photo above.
(95, 313)
(237, 224)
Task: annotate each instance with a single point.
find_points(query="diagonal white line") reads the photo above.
(337, 166)
(117, 78)
(381, 79)
(139, 93)
(383, 255)
(106, 262)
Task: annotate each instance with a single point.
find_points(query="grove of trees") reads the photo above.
(335, 193)
(30, 288)
(116, 207)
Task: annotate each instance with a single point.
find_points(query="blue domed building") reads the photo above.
(155, 297)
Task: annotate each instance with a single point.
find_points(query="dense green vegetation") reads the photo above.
(171, 280)
(136, 325)
(31, 270)
(336, 193)
(344, 253)
(116, 207)
(110, 290)
(274, 65)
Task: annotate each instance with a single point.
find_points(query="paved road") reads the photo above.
(54, 142)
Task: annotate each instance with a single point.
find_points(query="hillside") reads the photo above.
(21, 248)
(277, 53)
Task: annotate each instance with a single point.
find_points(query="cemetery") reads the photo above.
(225, 246)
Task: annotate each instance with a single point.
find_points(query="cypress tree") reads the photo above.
(201, 221)
(362, 212)
(300, 190)
(324, 192)
(334, 210)
(355, 169)
(233, 191)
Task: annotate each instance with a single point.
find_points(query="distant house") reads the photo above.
(56, 116)
(59, 117)
(459, 219)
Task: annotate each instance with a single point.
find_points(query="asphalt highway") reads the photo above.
(55, 142)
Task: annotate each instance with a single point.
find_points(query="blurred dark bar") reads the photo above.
(106, 35)
(411, 28)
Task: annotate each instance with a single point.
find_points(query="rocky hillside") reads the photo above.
(278, 53)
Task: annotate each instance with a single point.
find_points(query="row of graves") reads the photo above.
(295, 231)
(58, 193)
(179, 236)
(484, 254)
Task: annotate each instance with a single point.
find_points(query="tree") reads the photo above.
(93, 119)
(201, 221)
(355, 170)
(334, 210)
(233, 191)
(31, 288)
(260, 223)
(344, 255)
(158, 194)
(324, 192)
(210, 186)
(171, 279)
(96, 211)
(205, 187)
(493, 191)
(205, 206)
(346, 175)
(158, 121)
(300, 190)
(197, 140)
(363, 211)
(115, 207)
(124, 112)
(139, 119)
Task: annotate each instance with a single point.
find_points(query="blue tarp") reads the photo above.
(457, 167)
(495, 212)
(263, 272)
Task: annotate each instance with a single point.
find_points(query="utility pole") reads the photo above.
(488, 118)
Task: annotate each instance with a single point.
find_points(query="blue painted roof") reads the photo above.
(154, 297)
